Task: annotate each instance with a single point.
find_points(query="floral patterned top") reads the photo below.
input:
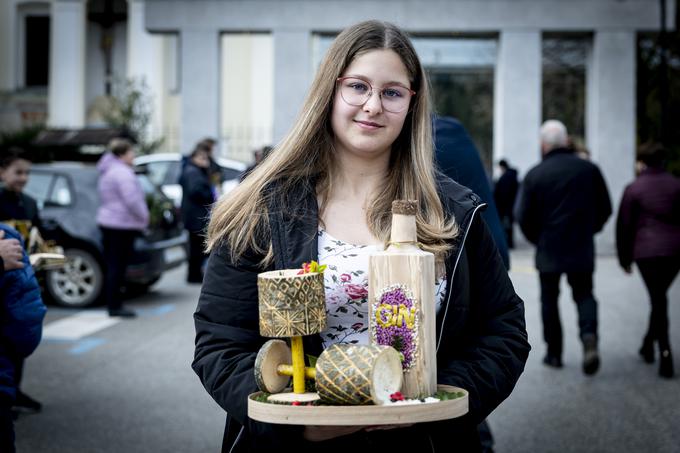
(346, 283)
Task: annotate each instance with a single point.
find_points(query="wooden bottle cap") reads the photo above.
(405, 207)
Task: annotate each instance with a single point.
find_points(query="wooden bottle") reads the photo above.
(401, 302)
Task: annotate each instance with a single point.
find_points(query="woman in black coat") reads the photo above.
(363, 140)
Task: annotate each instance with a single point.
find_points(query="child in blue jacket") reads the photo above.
(21, 316)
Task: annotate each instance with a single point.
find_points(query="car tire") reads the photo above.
(79, 283)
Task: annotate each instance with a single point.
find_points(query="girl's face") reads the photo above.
(15, 175)
(369, 130)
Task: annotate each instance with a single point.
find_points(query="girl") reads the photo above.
(363, 139)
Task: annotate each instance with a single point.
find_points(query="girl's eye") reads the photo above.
(358, 86)
(392, 93)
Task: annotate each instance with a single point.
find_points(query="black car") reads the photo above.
(67, 195)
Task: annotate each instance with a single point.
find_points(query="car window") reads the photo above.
(173, 173)
(147, 186)
(38, 186)
(156, 171)
(61, 192)
(47, 188)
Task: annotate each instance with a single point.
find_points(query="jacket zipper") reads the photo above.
(238, 437)
(453, 272)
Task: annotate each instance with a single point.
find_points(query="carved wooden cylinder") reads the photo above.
(291, 304)
(358, 374)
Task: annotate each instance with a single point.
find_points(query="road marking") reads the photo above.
(156, 311)
(80, 325)
(86, 345)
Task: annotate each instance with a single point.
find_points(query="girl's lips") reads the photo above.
(367, 124)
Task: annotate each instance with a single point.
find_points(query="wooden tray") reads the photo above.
(358, 415)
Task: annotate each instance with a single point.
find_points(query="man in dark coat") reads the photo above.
(504, 193)
(197, 197)
(563, 202)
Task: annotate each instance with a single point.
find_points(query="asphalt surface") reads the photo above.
(128, 387)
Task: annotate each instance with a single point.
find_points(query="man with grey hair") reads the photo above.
(563, 203)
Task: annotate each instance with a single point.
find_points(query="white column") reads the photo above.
(610, 115)
(144, 61)
(199, 86)
(8, 45)
(66, 93)
(517, 99)
(292, 75)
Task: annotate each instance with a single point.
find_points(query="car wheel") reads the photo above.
(79, 283)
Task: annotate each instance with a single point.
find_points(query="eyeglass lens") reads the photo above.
(356, 92)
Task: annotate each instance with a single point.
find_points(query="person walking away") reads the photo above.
(648, 233)
(21, 210)
(197, 198)
(564, 202)
(21, 316)
(122, 215)
(363, 139)
(505, 193)
(457, 157)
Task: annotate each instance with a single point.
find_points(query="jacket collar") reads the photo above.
(556, 151)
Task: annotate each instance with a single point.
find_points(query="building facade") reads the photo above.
(238, 70)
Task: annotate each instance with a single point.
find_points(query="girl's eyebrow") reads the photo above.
(367, 79)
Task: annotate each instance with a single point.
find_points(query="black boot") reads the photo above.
(591, 358)
(25, 403)
(666, 364)
(647, 350)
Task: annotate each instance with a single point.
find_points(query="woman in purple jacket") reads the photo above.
(648, 232)
(121, 216)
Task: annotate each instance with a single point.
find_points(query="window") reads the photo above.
(61, 192)
(36, 51)
(38, 187)
(49, 189)
(564, 81)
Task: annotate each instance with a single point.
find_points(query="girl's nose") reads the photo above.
(374, 103)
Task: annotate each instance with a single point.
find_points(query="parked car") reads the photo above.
(164, 170)
(67, 195)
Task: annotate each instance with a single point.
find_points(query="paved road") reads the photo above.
(128, 387)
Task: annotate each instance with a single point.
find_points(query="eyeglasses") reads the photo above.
(355, 91)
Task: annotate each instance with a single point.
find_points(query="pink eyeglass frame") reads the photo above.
(340, 79)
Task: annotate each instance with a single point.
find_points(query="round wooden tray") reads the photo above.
(359, 415)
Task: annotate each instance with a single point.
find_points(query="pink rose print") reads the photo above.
(355, 291)
(345, 277)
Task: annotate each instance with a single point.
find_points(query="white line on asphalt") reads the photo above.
(80, 325)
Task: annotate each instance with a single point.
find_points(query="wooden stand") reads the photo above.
(358, 415)
(291, 305)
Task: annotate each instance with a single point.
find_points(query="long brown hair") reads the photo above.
(307, 154)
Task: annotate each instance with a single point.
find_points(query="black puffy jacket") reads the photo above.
(480, 332)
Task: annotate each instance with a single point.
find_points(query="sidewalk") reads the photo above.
(625, 407)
